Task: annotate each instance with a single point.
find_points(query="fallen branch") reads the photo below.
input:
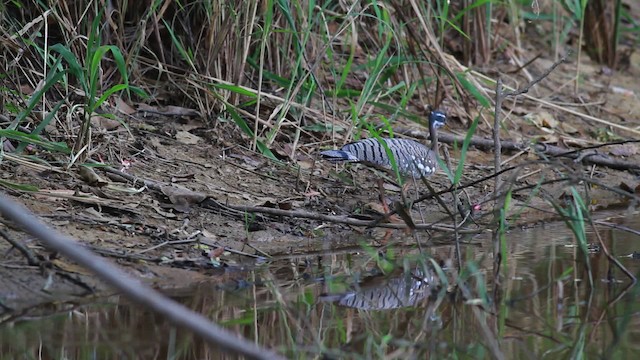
(551, 150)
(302, 214)
(132, 289)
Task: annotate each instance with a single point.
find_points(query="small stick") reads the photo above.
(28, 254)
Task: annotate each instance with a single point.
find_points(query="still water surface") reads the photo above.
(339, 305)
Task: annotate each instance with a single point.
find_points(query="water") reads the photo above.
(340, 305)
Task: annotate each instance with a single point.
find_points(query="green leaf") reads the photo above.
(178, 44)
(42, 125)
(239, 121)
(109, 92)
(52, 79)
(236, 89)
(247, 319)
(94, 72)
(75, 68)
(264, 150)
(323, 128)
(20, 187)
(471, 89)
(465, 147)
(36, 140)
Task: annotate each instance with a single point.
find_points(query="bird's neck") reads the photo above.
(434, 139)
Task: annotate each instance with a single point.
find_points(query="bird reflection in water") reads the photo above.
(385, 293)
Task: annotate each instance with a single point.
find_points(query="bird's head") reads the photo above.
(437, 119)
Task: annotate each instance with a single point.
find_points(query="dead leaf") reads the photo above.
(104, 123)
(623, 149)
(391, 187)
(169, 110)
(548, 139)
(94, 215)
(181, 198)
(549, 121)
(568, 128)
(216, 253)
(542, 119)
(625, 187)
(90, 176)
(147, 127)
(248, 160)
(622, 91)
(305, 164)
(70, 267)
(123, 107)
(275, 112)
(375, 207)
(208, 236)
(286, 205)
(26, 90)
(187, 138)
(159, 210)
(90, 199)
(155, 143)
(282, 152)
(147, 107)
(269, 204)
(182, 178)
(53, 195)
(180, 111)
(7, 146)
(263, 236)
(515, 109)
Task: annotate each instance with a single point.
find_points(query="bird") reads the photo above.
(384, 293)
(412, 158)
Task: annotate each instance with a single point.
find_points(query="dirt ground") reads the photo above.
(168, 237)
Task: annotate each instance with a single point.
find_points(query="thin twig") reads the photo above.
(617, 227)
(527, 87)
(456, 205)
(611, 258)
(28, 254)
(497, 163)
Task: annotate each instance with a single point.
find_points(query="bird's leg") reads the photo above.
(415, 184)
(385, 207)
(403, 194)
(406, 197)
